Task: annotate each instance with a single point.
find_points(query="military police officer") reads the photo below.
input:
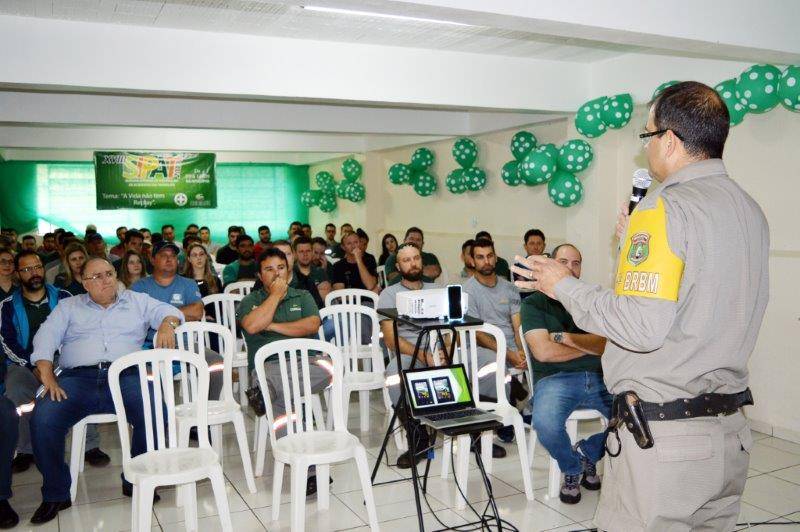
(683, 317)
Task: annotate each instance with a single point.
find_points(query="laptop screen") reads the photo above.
(432, 388)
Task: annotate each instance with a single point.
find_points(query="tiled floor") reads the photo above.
(772, 493)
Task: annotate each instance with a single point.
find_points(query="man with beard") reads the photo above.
(306, 272)
(355, 270)
(22, 314)
(229, 253)
(244, 268)
(319, 246)
(264, 241)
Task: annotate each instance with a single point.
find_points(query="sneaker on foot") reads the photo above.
(21, 462)
(506, 434)
(570, 489)
(590, 479)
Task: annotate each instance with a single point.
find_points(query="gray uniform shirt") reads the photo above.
(494, 305)
(666, 350)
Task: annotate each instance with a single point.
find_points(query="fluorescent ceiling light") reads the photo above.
(380, 15)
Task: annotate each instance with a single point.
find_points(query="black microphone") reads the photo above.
(641, 182)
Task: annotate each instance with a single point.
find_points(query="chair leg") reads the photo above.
(190, 505)
(78, 435)
(243, 382)
(462, 469)
(554, 480)
(82, 452)
(216, 441)
(366, 486)
(277, 486)
(261, 444)
(345, 409)
(221, 498)
(531, 447)
(519, 435)
(329, 420)
(363, 406)
(255, 433)
(486, 450)
(447, 450)
(323, 489)
(298, 505)
(135, 509)
(244, 450)
(145, 506)
(316, 409)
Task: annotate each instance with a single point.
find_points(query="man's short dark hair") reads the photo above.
(319, 240)
(131, 234)
(697, 115)
(188, 239)
(362, 234)
(296, 222)
(282, 242)
(167, 226)
(234, 229)
(263, 228)
(244, 238)
(467, 244)
(205, 228)
(120, 227)
(481, 243)
(306, 225)
(414, 230)
(532, 232)
(554, 254)
(143, 229)
(155, 238)
(483, 234)
(48, 235)
(300, 240)
(329, 225)
(192, 225)
(22, 254)
(272, 252)
(28, 237)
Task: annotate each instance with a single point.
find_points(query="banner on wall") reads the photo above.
(135, 180)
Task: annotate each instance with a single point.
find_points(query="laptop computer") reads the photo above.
(441, 397)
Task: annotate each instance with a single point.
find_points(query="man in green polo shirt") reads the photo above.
(430, 264)
(567, 376)
(305, 271)
(275, 312)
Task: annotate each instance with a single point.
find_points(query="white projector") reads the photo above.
(427, 304)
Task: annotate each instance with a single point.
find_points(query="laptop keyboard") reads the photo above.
(455, 415)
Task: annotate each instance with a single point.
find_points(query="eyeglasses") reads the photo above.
(36, 268)
(102, 275)
(647, 135)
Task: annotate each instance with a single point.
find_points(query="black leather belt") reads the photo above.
(708, 404)
(99, 366)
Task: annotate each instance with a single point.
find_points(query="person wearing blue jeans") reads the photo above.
(92, 330)
(567, 376)
(9, 427)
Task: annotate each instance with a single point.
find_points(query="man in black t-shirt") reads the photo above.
(356, 269)
(229, 253)
(567, 376)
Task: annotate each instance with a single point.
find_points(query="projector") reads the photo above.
(427, 304)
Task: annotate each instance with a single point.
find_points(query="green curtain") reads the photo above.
(63, 194)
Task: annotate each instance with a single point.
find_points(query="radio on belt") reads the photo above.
(433, 303)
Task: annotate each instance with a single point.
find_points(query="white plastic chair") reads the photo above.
(351, 296)
(303, 446)
(585, 414)
(225, 310)
(347, 323)
(166, 462)
(194, 337)
(467, 354)
(240, 287)
(78, 447)
(218, 268)
(382, 276)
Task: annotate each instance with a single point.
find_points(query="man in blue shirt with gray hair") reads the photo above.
(91, 331)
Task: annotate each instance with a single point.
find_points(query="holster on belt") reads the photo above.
(627, 410)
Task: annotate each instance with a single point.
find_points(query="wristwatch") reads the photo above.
(174, 323)
(558, 337)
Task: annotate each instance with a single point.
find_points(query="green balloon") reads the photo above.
(424, 184)
(327, 203)
(422, 159)
(757, 88)
(465, 151)
(537, 167)
(587, 119)
(789, 88)
(521, 144)
(324, 177)
(308, 199)
(356, 192)
(660, 88)
(509, 173)
(565, 190)
(351, 169)
(727, 91)
(550, 149)
(341, 189)
(474, 178)
(400, 174)
(617, 110)
(575, 155)
(455, 182)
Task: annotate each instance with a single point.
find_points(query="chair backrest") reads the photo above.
(382, 276)
(224, 306)
(293, 357)
(351, 296)
(240, 287)
(155, 374)
(469, 357)
(348, 324)
(217, 267)
(195, 336)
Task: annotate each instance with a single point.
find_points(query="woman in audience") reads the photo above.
(74, 258)
(388, 246)
(8, 277)
(198, 267)
(131, 268)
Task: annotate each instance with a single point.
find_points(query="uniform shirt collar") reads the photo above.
(705, 168)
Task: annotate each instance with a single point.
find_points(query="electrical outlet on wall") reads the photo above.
(473, 222)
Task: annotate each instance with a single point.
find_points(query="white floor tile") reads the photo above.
(530, 515)
(168, 512)
(772, 494)
(783, 445)
(337, 517)
(100, 516)
(792, 474)
(583, 511)
(765, 458)
(242, 522)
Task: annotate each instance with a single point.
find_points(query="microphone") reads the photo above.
(641, 182)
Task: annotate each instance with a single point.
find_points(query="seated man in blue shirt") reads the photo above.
(91, 330)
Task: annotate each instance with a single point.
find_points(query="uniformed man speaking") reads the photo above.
(682, 319)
